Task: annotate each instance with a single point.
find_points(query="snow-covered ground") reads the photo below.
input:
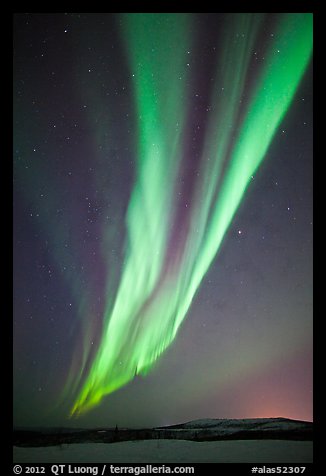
(171, 451)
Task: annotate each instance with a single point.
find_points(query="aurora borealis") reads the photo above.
(148, 137)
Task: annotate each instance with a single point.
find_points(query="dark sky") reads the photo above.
(244, 349)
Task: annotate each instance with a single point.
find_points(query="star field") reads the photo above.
(244, 348)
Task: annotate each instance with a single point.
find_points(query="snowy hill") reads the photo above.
(260, 428)
(197, 430)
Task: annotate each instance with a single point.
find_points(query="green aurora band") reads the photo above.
(166, 257)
